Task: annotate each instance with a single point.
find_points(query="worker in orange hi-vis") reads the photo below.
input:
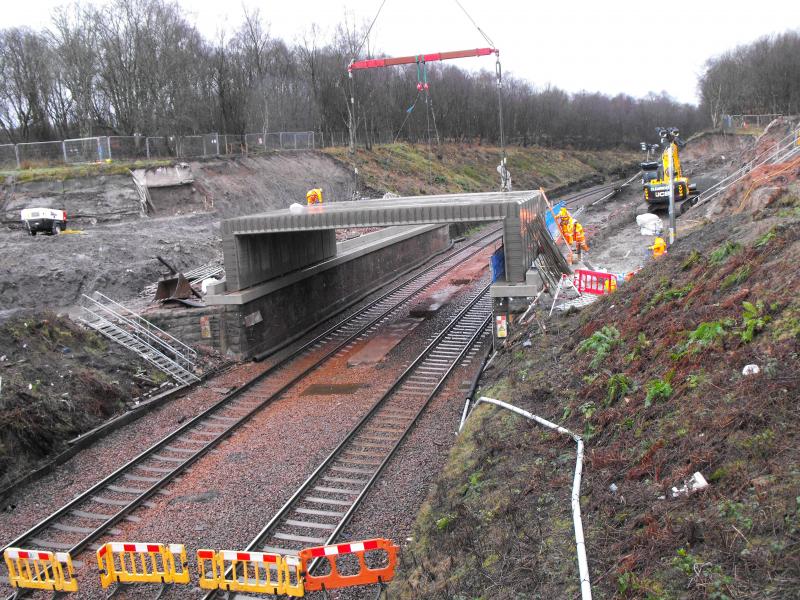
(314, 196)
(659, 247)
(565, 221)
(580, 238)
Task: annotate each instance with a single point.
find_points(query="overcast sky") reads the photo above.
(611, 47)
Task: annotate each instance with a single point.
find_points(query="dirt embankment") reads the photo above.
(58, 381)
(652, 377)
(116, 250)
(409, 169)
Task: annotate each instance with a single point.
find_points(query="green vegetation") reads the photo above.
(705, 335)
(753, 319)
(739, 276)
(666, 294)
(403, 167)
(721, 254)
(60, 173)
(691, 260)
(642, 343)
(600, 343)
(618, 385)
(657, 389)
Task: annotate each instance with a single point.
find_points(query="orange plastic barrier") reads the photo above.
(40, 570)
(595, 282)
(335, 579)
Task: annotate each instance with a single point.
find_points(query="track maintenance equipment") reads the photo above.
(252, 572)
(656, 174)
(125, 563)
(334, 578)
(40, 570)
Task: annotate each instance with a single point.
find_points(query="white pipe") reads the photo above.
(580, 545)
(460, 425)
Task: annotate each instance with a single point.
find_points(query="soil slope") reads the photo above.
(652, 377)
(58, 381)
(409, 169)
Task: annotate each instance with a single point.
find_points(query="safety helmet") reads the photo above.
(563, 212)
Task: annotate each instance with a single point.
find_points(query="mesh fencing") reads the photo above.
(8, 157)
(137, 147)
(86, 150)
(40, 154)
(161, 147)
(133, 147)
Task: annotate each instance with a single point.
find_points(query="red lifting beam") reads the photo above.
(406, 60)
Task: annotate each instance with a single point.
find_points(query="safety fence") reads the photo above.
(732, 122)
(595, 282)
(123, 563)
(139, 147)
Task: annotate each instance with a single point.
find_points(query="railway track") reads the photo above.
(92, 514)
(323, 505)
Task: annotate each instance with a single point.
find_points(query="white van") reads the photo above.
(46, 220)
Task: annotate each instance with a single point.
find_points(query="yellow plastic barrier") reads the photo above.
(254, 572)
(38, 570)
(142, 563)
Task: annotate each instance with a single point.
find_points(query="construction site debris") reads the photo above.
(649, 224)
(751, 370)
(694, 484)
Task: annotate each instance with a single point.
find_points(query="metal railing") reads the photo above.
(138, 147)
(785, 148)
(146, 330)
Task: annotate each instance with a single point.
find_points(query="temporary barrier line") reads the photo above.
(580, 545)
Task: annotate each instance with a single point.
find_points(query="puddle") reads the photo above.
(331, 389)
(379, 346)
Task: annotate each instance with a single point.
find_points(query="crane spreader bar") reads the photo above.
(375, 63)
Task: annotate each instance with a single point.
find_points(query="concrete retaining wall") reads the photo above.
(268, 321)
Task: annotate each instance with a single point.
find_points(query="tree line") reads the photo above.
(140, 67)
(758, 78)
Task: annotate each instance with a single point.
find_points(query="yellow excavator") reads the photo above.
(655, 174)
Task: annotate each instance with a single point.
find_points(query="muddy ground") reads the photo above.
(116, 247)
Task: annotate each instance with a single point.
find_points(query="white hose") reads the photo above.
(580, 545)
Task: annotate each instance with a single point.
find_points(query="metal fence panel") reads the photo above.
(85, 150)
(8, 157)
(161, 147)
(233, 145)
(191, 146)
(212, 144)
(131, 147)
(303, 140)
(254, 143)
(273, 141)
(40, 154)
